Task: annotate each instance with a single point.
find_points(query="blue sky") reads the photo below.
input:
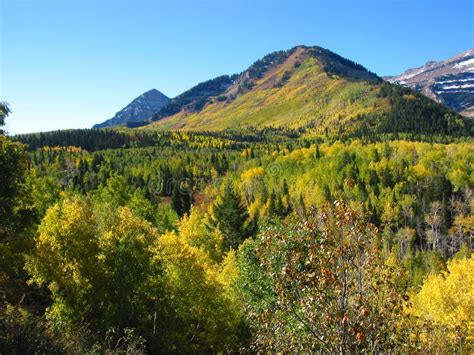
(73, 63)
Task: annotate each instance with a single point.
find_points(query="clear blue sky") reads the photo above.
(73, 63)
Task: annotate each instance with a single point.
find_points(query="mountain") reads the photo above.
(140, 109)
(310, 89)
(450, 82)
(195, 98)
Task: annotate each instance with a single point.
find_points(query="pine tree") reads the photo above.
(181, 200)
(272, 210)
(286, 197)
(285, 189)
(302, 205)
(279, 207)
(275, 205)
(229, 215)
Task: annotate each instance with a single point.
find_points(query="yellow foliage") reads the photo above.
(251, 180)
(229, 269)
(256, 208)
(194, 231)
(420, 171)
(297, 155)
(200, 288)
(447, 299)
(68, 228)
(309, 90)
(459, 178)
(249, 175)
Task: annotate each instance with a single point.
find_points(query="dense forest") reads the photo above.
(268, 240)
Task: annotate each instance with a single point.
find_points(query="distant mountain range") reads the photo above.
(308, 89)
(450, 82)
(143, 107)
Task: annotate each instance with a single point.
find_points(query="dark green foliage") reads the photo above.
(334, 64)
(16, 211)
(195, 98)
(88, 139)
(286, 76)
(4, 111)
(181, 199)
(412, 112)
(229, 215)
(17, 217)
(136, 124)
(275, 205)
(94, 139)
(24, 333)
(257, 69)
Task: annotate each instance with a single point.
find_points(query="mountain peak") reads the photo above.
(337, 65)
(274, 69)
(152, 92)
(139, 110)
(330, 62)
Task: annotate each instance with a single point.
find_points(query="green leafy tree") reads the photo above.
(17, 217)
(16, 211)
(125, 258)
(99, 273)
(65, 260)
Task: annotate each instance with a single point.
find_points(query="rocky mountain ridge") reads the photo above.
(141, 108)
(449, 82)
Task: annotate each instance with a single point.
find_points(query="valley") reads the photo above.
(303, 205)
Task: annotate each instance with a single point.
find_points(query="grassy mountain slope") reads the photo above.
(315, 89)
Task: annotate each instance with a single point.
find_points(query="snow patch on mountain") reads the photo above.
(450, 82)
(467, 62)
(458, 86)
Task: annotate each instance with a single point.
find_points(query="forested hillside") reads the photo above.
(311, 89)
(255, 240)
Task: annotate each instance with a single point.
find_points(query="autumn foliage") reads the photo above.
(327, 285)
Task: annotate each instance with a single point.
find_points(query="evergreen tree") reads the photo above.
(275, 205)
(181, 200)
(272, 210)
(229, 215)
(285, 189)
(302, 205)
(279, 207)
